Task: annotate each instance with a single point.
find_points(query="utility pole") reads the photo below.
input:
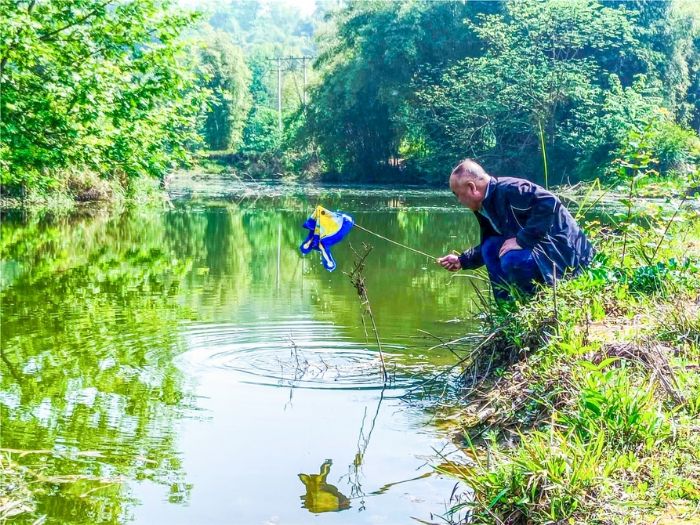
(290, 63)
(303, 61)
(279, 93)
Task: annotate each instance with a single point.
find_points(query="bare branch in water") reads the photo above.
(357, 279)
(446, 344)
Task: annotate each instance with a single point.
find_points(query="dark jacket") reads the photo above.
(539, 221)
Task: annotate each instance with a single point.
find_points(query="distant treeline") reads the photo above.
(100, 90)
(409, 88)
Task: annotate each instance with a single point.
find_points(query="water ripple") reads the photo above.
(299, 353)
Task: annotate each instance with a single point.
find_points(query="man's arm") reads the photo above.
(472, 259)
(541, 207)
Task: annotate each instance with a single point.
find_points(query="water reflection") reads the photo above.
(355, 474)
(87, 360)
(320, 495)
(117, 327)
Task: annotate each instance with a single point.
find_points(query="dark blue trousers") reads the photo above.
(516, 269)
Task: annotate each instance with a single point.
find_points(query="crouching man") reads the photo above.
(527, 235)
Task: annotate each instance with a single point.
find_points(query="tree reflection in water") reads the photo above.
(93, 310)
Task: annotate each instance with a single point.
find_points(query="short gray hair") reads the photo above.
(469, 169)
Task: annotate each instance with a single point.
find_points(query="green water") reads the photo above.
(184, 364)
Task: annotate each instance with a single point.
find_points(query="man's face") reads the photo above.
(467, 193)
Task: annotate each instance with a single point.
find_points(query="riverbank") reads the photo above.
(78, 191)
(224, 171)
(593, 413)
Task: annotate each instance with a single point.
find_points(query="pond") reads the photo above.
(185, 364)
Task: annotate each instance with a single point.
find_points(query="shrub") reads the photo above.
(629, 414)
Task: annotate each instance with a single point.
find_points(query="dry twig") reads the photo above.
(357, 279)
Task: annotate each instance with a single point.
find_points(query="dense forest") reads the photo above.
(104, 93)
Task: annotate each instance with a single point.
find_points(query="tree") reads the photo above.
(98, 85)
(413, 87)
(541, 64)
(225, 74)
(261, 133)
(366, 71)
(263, 31)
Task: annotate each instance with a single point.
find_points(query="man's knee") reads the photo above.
(519, 265)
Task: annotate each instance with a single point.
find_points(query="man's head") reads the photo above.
(468, 182)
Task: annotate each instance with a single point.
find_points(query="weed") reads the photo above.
(594, 417)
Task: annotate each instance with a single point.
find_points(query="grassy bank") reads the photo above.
(74, 189)
(267, 165)
(589, 411)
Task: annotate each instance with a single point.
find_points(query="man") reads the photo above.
(527, 235)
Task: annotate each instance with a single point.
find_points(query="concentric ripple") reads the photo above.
(299, 353)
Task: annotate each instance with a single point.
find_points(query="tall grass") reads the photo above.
(629, 413)
(615, 387)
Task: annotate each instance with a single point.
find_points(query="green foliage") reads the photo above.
(657, 145)
(541, 61)
(677, 148)
(398, 98)
(226, 76)
(692, 106)
(252, 24)
(261, 133)
(266, 31)
(663, 278)
(93, 86)
(550, 475)
(400, 90)
(629, 413)
(367, 66)
(543, 481)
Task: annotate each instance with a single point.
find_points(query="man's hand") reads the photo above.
(450, 262)
(508, 245)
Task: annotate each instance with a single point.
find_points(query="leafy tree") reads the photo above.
(664, 30)
(261, 131)
(367, 66)
(264, 31)
(227, 77)
(98, 85)
(423, 84)
(252, 23)
(691, 109)
(539, 65)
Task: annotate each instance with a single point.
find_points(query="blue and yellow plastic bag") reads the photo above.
(326, 229)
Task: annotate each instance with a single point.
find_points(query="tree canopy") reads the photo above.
(398, 91)
(99, 85)
(224, 73)
(427, 83)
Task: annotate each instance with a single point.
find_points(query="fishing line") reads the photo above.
(396, 243)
